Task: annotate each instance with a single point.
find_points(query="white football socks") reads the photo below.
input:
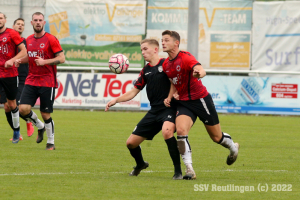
(228, 143)
(185, 150)
(50, 131)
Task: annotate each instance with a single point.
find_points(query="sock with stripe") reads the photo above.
(32, 117)
(227, 142)
(49, 126)
(185, 150)
(15, 119)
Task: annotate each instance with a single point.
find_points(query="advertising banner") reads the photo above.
(92, 31)
(276, 36)
(94, 90)
(224, 29)
(259, 95)
(252, 95)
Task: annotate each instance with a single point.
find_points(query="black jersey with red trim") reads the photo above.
(156, 82)
(180, 72)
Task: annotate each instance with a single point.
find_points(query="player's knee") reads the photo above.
(130, 144)
(23, 110)
(181, 131)
(6, 107)
(167, 133)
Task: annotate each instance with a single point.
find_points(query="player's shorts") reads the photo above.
(20, 89)
(153, 121)
(31, 93)
(203, 108)
(9, 88)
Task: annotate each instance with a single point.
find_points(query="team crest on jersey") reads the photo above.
(42, 45)
(160, 69)
(4, 39)
(178, 68)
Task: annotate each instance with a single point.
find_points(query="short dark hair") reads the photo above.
(18, 20)
(38, 13)
(173, 34)
(150, 41)
(3, 14)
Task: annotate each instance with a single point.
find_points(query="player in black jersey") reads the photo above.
(159, 117)
(23, 72)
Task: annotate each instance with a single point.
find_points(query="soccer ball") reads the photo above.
(118, 63)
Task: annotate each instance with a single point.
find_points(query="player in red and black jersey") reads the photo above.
(44, 53)
(159, 117)
(10, 40)
(185, 73)
(23, 71)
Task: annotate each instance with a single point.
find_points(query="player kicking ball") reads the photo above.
(159, 117)
(194, 101)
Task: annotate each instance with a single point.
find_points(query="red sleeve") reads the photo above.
(189, 60)
(16, 37)
(140, 81)
(55, 46)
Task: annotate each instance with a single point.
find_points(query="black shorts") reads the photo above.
(153, 121)
(31, 93)
(9, 88)
(20, 89)
(203, 108)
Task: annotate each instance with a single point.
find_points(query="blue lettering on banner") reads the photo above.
(83, 87)
(280, 58)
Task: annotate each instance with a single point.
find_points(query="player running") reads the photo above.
(159, 117)
(194, 101)
(44, 53)
(10, 40)
(23, 72)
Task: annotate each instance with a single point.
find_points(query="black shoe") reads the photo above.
(137, 169)
(177, 176)
(50, 146)
(40, 136)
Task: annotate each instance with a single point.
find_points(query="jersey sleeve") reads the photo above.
(190, 61)
(55, 46)
(140, 81)
(16, 38)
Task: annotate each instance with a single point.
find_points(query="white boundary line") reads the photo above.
(148, 171)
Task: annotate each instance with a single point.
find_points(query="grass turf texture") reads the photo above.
(91, 160)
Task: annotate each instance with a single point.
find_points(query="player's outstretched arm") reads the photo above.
(125, 97)
(22, 53)
(198, 71)
(59, 59)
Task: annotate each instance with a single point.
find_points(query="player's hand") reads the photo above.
(39, 61)
(196, 73)
(110, 104)
(9, 63)
(167, 102)
(17, 62)
(176, 95)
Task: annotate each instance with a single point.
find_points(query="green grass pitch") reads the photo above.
(91, 160)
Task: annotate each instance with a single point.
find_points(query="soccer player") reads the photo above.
(44, 53)
(9, 41)
(23, 71)
(185, 73)
(159, 117)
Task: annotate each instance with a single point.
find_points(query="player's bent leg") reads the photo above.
(133, 145)
(225, 140)
(168, 134)
(183, 126)
(28, 114)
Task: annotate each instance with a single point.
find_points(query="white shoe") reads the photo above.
(233, 155)
(189, 174)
